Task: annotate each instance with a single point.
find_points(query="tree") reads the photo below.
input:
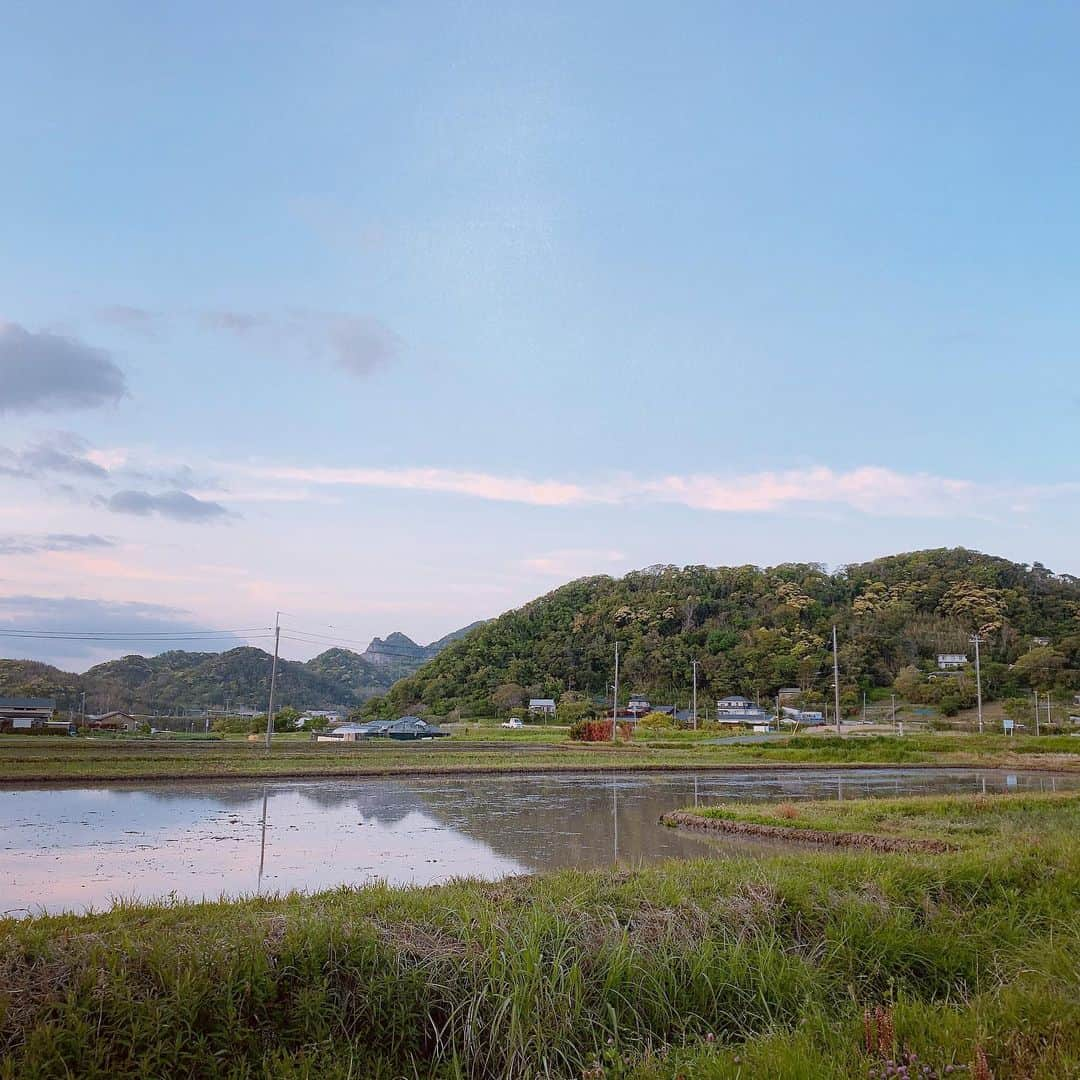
(1040, 668)
(285, 719)
(1018, 709)
(509, 695)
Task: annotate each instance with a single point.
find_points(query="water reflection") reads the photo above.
(72, 848)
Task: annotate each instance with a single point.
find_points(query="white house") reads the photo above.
(950, 661)
(544, 706)
(739, 710)
(803, 716)
(638, 705)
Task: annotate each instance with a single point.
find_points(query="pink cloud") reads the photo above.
(449, 481)
(869, 489)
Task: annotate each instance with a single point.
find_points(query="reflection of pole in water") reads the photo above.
(984, 783)
(615, 815)
(262, 845)
(695, 791)
(839, 796)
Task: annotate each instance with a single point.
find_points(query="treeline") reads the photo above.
(755, 630)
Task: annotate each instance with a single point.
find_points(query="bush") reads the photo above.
(653, 722)
(596, 731)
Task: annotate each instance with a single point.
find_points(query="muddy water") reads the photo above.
(69, 849)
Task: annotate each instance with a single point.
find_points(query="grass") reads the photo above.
(42, 759)
(726, 968)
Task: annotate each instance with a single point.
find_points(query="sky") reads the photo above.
(393, 317)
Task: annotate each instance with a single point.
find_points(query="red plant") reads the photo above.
(597, 731)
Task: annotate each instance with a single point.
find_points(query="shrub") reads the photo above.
(654, 721)
(596, 731)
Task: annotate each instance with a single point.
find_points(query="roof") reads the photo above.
(541, 701)
(28, 703)
(737, 698)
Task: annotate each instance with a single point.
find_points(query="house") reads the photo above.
(1041, 642)
(638, 705)
(403, 729)
(413, 727)
(951, 661)
(346, 733)
(25, 714)
(806, 717)
(332, 716)
(113, 721)
(739, 710)
(544, 706)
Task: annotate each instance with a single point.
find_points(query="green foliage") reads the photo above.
(756, 630)
(653, 722)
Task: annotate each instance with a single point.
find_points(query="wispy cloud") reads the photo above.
(357, 344)
(24, 544)
(111, 479)
(138, 320)
(46, 372)
(574, 562)
(176, 505)
(869, 489)
(479, 485)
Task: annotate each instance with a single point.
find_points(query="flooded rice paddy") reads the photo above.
(75, 848)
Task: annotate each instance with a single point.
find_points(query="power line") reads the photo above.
(109, 635)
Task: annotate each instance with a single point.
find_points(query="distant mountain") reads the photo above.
(179, 680)
(399, 656)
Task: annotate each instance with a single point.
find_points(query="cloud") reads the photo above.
(87, 617)
(138, 320)
(868, 489)
(360, 346)
(12, 544)
(573, 562)
(356, 344)
(45, 372)
(176, 505)
(60, 452)
(449, 481)
(234, 322)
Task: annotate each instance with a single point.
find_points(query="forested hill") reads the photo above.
(755, 630)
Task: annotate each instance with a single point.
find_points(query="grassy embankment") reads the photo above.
(45, 759)
(731, 968)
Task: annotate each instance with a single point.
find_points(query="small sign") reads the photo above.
(1009, 725)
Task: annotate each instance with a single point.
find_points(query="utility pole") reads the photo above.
(976, 641)
(693, 707)
(615, 702)
(893, 696)
(273, 680)
(836, 677)
(1036, 693)
(1049, 714)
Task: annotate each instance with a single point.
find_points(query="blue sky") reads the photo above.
(395, 316)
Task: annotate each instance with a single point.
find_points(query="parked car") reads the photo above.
(514, 722)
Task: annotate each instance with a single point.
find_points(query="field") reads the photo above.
(490, 748)
(816, 964)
